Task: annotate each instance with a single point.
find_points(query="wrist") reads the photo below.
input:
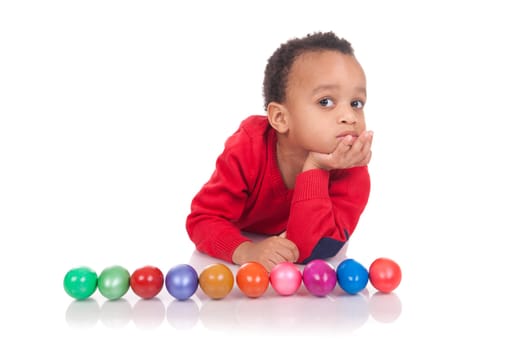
(311, 164)
(240, 254)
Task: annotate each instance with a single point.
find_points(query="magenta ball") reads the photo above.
(319, 277)
(285, 278)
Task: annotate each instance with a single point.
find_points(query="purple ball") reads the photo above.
(319, 277)
(182, 281)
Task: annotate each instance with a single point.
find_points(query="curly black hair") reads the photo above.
(280, 63)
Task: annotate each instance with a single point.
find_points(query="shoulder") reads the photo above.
(252, 131)
(246, 150)
(255, 126)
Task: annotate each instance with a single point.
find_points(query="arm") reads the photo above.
(325, 210)
(213, 224)
(330, 196)
(216, 207)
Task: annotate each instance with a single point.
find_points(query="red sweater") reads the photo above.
(246, 193)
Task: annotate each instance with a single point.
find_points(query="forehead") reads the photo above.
(325, 67)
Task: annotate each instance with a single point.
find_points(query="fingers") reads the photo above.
(366, 150)
(360, 150)
(268, 252)
(368, 158)
(285, 249)
(277, 250)
(363, 141)
(277, 258)
(349, 152)
(289, 251)
(268, 264)
(344, 146)
(367, 145)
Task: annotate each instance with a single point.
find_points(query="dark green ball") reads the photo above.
(81, 282)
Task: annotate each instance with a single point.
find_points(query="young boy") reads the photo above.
(298, 175)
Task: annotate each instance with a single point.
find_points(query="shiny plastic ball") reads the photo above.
(182, 281)
(319, 277)
(385, 274)
(352, 276)
(216, 280)
(113, 282)
(252, 279)
(147, 281)
(80, 282)
(285, 278)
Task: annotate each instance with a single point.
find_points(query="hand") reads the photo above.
(268, 252)
(350, 152)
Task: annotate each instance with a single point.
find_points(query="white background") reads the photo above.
(112, 114)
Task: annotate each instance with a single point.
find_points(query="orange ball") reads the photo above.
(252, 279)
(216, 281)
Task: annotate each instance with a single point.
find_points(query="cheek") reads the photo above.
(322, 142)
(363, 123)
(322, 137)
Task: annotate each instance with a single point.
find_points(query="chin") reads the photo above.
(321, 147)
(324, 150)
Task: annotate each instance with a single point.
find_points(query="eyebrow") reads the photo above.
(334, 87)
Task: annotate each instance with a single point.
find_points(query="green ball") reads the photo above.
(113, 282)
(80, 283)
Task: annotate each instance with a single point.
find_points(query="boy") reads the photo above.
(298, 175)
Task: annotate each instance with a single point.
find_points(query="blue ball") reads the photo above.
(352, 276)
(182, 281)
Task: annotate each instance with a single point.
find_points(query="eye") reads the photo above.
(357, 104)
(326, 102)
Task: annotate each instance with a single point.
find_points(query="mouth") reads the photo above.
(346, 133)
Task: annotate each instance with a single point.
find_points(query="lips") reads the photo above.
(346, 133)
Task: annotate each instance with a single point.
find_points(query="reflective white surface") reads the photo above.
(335, 314)
(302, 313)
(112, 114)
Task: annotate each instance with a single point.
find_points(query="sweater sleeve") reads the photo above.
(325, 210)
(218, 205)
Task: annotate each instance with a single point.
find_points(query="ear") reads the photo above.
(278, 117)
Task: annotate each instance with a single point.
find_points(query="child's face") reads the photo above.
(325, 96)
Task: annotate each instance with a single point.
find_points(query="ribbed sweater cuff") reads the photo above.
(311, 184)
(227, 246)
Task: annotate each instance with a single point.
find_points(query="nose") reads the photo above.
(348, 116)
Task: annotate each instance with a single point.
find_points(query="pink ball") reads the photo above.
(285, 278)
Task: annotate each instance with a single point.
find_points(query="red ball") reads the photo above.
(147, 281)
(252, 279)
(384, 274)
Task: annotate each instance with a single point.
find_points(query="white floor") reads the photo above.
(337, 313)
(112, 114)
(448, 303)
